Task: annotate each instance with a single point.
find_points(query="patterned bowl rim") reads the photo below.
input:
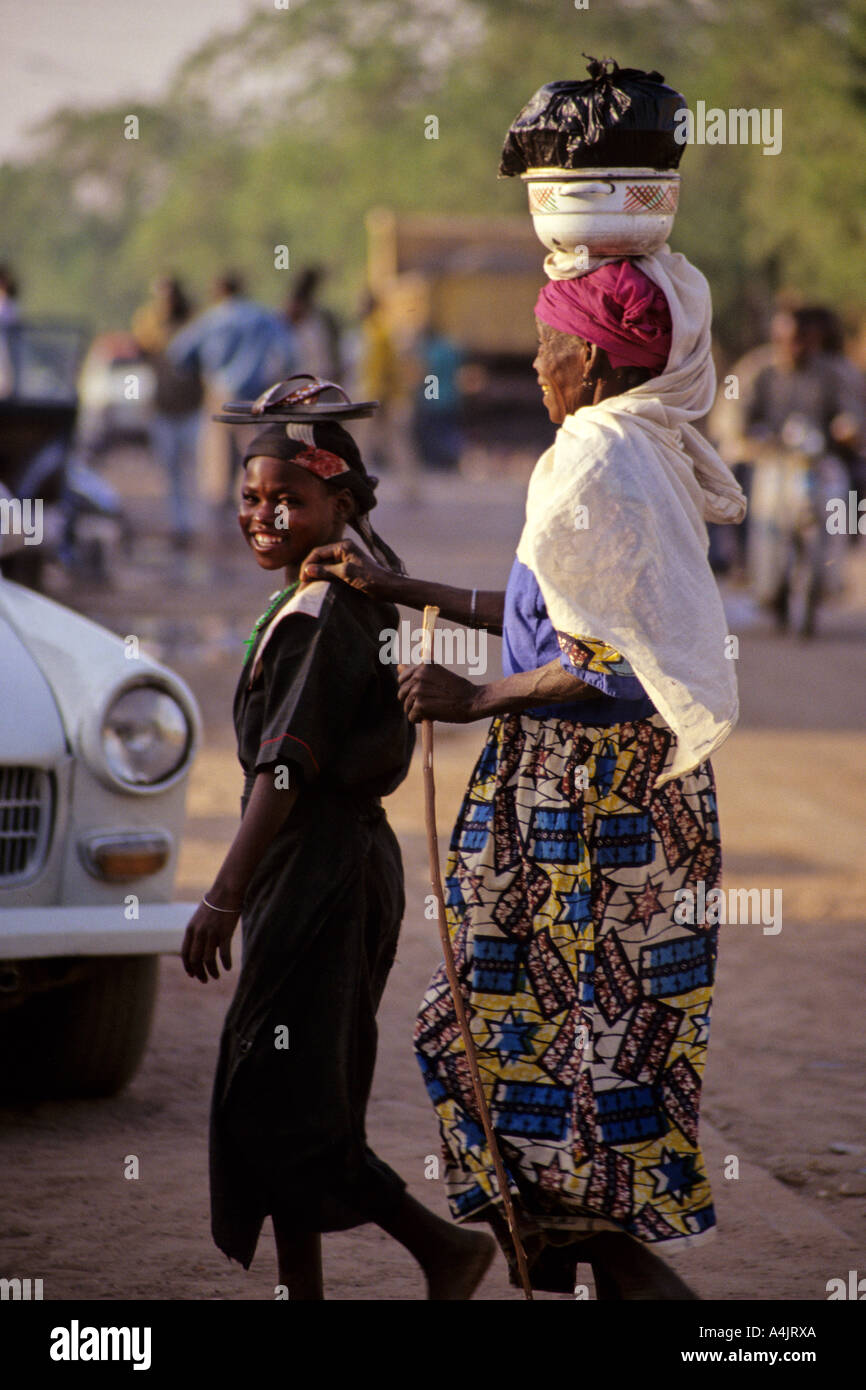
(556, 175)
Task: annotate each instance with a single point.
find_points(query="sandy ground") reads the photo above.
(784, 1088)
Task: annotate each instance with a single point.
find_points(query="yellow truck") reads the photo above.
(476, 280)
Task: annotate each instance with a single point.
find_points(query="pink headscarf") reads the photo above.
(617, 307)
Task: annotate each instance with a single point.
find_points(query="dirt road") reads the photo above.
(784, 1090)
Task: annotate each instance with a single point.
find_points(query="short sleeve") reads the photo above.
(599, 665)
(315, 675)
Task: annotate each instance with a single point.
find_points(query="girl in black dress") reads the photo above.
(316, 875)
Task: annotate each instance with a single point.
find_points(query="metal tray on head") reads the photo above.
(280, 405)
(238, 413)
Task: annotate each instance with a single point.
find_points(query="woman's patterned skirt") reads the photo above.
(587, 982)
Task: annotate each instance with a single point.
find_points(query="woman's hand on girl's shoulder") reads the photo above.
(346, 561)
(208, 933)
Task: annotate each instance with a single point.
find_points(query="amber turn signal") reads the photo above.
(119, 857)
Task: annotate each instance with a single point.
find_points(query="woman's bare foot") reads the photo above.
(455, 1273)
(454, 1261)
(625, 1269)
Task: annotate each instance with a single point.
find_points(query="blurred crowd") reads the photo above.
(790, 417)
(235, 348)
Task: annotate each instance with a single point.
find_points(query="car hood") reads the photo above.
(77, 663)
(31, 730)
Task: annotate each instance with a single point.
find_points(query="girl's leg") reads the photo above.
(299, 1261)
(166, 440)
(185, 480)
(454, 1261)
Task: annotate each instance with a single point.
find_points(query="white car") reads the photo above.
(96, 744)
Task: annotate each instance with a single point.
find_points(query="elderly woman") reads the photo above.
(590, 821)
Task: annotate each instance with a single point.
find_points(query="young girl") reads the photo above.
(316, 874)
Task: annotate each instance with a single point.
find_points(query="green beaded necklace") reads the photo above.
(260, 622)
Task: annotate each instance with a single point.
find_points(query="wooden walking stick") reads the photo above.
(430, 615)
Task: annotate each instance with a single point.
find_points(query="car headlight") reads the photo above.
(145, 736)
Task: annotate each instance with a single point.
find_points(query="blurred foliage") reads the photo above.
(290, 128)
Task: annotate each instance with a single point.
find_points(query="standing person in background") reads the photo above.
(726, 429)
(378, 373)
(829, 338)
(9, 311)
(177, 400)
(389, 373)
(850, 434)
(240, 348)
(9, 315)
(317, 333)
(437, 402)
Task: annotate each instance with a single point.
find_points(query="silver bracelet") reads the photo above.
(473, 617)
(213, 907)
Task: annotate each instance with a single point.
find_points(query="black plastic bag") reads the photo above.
(616, 118)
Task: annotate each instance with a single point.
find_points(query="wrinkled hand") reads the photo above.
(208, 932)
(344, 560)
(432, 692)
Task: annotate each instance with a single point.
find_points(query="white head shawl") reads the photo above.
(631, 569)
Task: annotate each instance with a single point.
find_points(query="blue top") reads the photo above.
(239, 344)
(442, 359)
(529, 640)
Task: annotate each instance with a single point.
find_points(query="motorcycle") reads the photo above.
(52, 506)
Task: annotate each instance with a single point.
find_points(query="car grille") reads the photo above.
(25, 822)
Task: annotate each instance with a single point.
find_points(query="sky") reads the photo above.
(88, 52)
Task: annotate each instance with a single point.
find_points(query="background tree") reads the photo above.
(306, 118)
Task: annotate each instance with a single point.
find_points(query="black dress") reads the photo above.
(321, 917)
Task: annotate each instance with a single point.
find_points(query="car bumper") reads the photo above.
(30, 933)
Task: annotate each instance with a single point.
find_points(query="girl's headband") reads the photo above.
(296, 444)
(321, 462)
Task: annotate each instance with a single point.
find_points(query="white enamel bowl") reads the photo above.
(609, 212)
